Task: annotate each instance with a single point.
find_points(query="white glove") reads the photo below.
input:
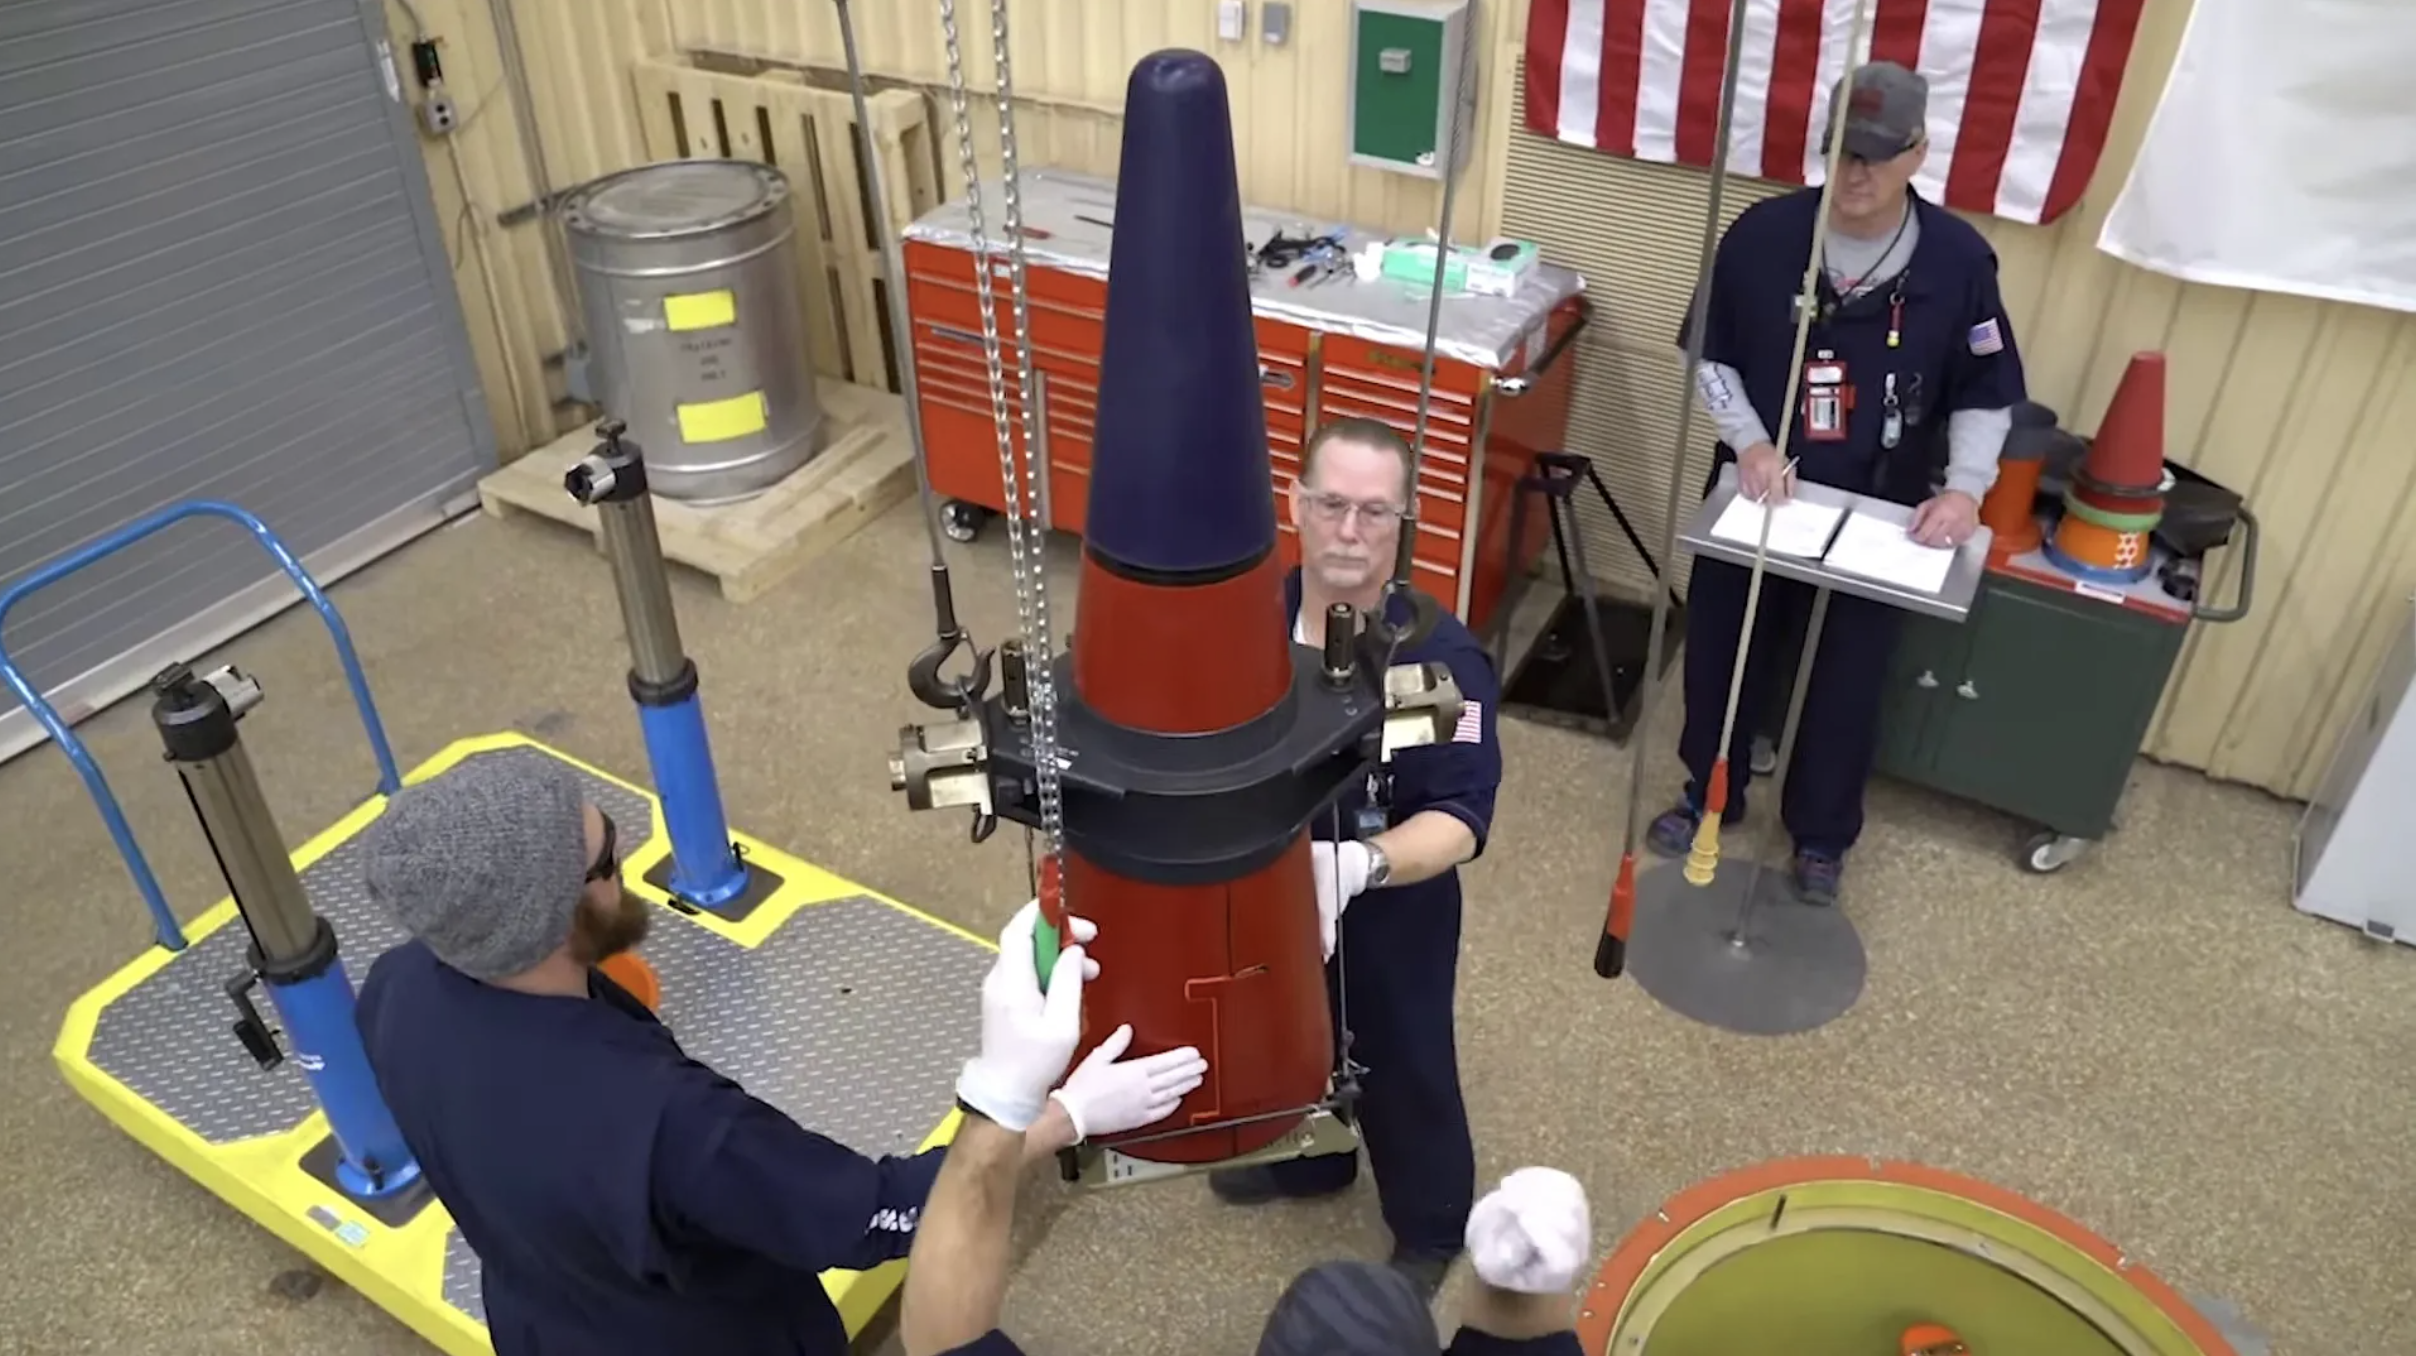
(1028, 1037)
(1341, 871)
(1531, 1234)
(1108, 1095)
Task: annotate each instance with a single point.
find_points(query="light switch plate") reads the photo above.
(1275, 22)
(1232, 18)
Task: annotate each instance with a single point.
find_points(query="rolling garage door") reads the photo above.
(221, 277)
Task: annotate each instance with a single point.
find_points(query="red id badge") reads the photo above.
(1828, 400)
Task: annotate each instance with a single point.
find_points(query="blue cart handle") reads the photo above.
(390, 779)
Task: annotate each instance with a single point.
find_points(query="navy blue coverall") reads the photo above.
(621, 1197)
(1398, 953)
(1953, 350)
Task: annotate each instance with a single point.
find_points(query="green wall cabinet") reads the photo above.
(2035, 705)
(1413, 80)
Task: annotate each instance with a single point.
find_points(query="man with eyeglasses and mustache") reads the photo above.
(1909, 381)
(1402, 845)
(620, 1196)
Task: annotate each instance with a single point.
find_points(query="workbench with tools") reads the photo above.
(1332, 344)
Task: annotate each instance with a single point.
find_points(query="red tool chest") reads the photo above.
(1501, 389)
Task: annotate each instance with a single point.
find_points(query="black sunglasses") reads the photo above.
(608, 858)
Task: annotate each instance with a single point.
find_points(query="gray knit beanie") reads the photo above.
(1350, 1309)
(485, 862)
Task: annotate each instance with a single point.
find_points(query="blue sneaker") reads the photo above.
(1816, 875)
(1672, 833)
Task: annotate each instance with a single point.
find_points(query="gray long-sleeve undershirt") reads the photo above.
(1974, 438)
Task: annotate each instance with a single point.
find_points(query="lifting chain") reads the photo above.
(1026, 533)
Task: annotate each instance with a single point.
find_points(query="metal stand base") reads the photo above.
(1768, 966)
(1321, 1133)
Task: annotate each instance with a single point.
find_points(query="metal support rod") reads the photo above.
(893, 270)
(294, 951)
(1698, 311)
(532, 147)
(706, 869)
(1405, 550)
(1787, 730)
(643, 585)
(1703, 859)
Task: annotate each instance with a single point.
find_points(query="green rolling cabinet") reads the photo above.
(2036, 705)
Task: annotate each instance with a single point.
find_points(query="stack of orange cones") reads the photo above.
(2010, 512)
(2116, 497)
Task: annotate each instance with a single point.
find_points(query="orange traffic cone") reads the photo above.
(2116, 497)
(2128, 452)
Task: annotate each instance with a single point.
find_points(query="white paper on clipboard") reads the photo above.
(1798, 527)
(1874, 548)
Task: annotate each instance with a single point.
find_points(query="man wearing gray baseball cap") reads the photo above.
(1906, 392)
(620, 1196)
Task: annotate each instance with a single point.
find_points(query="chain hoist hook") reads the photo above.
(923, 676)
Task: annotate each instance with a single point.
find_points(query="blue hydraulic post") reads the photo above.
(293, 950)
(707, 871)
(293, 953)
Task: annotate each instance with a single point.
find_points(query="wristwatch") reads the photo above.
(1379, 866)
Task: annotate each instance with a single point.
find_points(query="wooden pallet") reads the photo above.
(866, 465)
(784, 118)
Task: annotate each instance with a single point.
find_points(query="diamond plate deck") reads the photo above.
(830, 1019)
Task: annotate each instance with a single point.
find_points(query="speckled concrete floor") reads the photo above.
(2153, 1042)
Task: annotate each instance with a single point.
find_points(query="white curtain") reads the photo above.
(2282, 156)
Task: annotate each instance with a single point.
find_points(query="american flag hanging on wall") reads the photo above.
(2020, 91)
(1471, 726)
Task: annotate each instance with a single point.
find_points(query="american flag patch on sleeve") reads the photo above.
(1471, 729)
(1985, 338)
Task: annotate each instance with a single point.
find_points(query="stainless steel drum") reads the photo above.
(696, 336)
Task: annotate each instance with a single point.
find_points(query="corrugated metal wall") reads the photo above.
(2305, 407)
(1070, 60)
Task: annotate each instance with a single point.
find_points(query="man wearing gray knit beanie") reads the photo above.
(622, 1198)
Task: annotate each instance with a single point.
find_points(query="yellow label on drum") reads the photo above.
(718, 421)
(701, 310)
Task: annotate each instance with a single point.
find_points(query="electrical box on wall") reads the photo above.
(1413, 84)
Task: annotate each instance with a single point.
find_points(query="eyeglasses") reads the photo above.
(607, 864)
(1334, 508)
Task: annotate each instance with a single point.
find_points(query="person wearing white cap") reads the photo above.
(1528, 1241)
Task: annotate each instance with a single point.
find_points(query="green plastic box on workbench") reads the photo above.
(1413, 84)
(2036, 705)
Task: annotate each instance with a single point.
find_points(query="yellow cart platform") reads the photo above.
(819, 1001)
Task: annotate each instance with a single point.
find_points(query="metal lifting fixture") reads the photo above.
(1231, 808)
(1023, 477)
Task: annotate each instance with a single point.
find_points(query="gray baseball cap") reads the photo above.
(1350, 1309)
(484, 862)
(1887, 111)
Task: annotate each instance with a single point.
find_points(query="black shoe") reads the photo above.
(1424, 1271)
(1815, 877)
(1244, 1186)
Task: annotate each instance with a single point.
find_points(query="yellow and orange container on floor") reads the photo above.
(1850, 1257)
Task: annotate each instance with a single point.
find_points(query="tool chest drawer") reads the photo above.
(1326, 351)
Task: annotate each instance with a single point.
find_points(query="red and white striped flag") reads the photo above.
(2020, 91)
(1471, 729)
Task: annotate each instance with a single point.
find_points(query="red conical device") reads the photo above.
(1182, 667)
(2128, 452)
